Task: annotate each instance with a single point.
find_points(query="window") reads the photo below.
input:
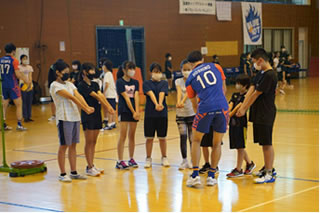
(274, 38)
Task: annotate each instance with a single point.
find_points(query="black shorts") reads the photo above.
(126, 117)
(112, 102)
(91, 122)
(262, 134)
(168, 75)
(153, 125)
(237, 137)
(280, 76)
(207, 139)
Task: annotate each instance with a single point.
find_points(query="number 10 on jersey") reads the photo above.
(206, 79)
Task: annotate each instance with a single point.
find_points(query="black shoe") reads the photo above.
(205, 168)
(30, 120)
(26, 120)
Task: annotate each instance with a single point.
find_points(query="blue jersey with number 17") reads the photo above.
(206, 81)
(8, 65)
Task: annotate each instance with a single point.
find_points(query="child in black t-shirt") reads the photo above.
(288, 64)
(128, 111)
(238, 128)
(156, 114)
(91, 123)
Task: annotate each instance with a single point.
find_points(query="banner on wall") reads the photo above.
(223, 11)
(252, 23)
(204, 7)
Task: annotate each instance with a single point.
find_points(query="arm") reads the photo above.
(137, 105)
(152, 97)
(161, 98)
(21, 76)
(77, 100)
(184, 99)
(230, 106)
(224, 87)
(194, 104)
(249, 100)
(105, 88)
(128, 102)
(100, 97)
(179, 94)
(235, 110)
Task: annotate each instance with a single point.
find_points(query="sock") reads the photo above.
(19, 123)
(74, 173)
(212, 172)
(63, 174)
(269, 171)
(195, 172)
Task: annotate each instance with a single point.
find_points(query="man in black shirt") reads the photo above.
(168, 69)
(261, 97)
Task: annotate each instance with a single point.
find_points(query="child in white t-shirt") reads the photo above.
(66, 99)
(184, 113)
(110, 92)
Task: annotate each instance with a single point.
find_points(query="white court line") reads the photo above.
(280, 198)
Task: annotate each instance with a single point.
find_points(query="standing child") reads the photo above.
(185, 113)
(129, 113)
(26, 89)
(91, 123)
(261, 98)
(110, 92)
(156, 114)
(66, 98)
(238, 128)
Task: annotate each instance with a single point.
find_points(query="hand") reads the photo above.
(240, 112)
(89, 110)
(161, 107)
(136, 116)
(158, 107)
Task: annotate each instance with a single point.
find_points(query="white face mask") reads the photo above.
(156, 76)
(238, 87)
(131, 73)
(186, 73)
(257, 67)
(25, 61)
(74, 67)
(170, 58)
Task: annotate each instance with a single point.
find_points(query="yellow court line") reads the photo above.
(280, 198)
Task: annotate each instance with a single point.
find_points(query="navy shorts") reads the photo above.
(112, 102)
(153, 125)
(11, 93)
(218, 120)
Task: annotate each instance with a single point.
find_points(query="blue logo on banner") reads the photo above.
(253, 23)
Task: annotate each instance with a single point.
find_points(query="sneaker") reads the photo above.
(165, 162)
(148, 163)
(6, 127)
(52, 118)
(101, 171)
(122, 165)
(282, 91)
(133, 163)
(192, 182)
(21, 128)
(78, 177)
(184, 165)
(114, 126)
(249, 168)
(211, 181)
(217, 170)
(107, 128)
(235, 173)
(261, 172)
(205, 168)
(65, 178)
(265, 178)
(92, 172)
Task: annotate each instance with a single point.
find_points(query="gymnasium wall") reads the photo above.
(74, 21)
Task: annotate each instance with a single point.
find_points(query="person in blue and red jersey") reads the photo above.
(207, 82)
(9, 68)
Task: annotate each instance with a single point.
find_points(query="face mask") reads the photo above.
(74, 67)
(131, 73)
(170, 58)
(186, 73)
(238, 87)
(65, 76)
(156, 76)
(25, 62)
(91, 76)
(256, 66)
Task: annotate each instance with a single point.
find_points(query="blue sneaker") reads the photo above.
(265, 178)
(133, 163)
(122, 165)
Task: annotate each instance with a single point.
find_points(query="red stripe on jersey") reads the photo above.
(221, 71)
(191, 93)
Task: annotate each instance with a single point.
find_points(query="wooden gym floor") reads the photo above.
(296, 142)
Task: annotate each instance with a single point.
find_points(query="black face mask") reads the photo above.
(91, 76)
(65, 76)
